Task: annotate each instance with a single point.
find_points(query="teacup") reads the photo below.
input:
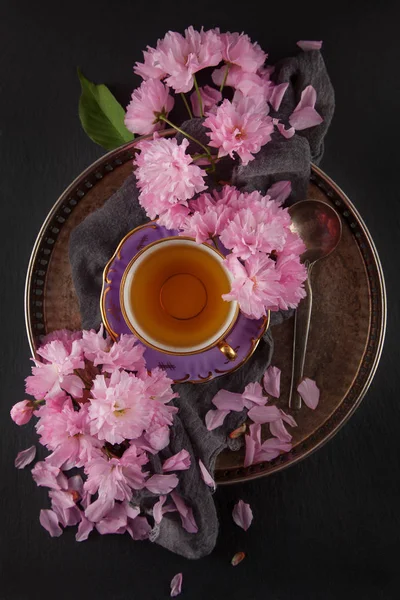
(171, 297)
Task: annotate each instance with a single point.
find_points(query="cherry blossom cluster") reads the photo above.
(264, 259)
(102, 414)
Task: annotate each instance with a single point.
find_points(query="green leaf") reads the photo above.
(101, 115)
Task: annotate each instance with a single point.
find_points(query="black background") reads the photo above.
(325, 529)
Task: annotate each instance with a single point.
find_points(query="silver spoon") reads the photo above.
(320, 228)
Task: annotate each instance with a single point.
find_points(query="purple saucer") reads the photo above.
(194, 368)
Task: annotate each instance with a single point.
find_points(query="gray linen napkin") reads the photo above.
(94, 241)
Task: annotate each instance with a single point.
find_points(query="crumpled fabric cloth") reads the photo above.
(94, 241)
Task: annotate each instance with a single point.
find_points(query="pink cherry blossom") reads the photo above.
(309, 391)
(240, 127)
(162, 484)
(57, 372)
(292, 275)
(148, 101)
(67, 433)
(150, 68)
(238, 49)
(215, 418)
(25, 457)
(176, 585)
(22, 412)
(257, 229)
(157, 387)
(64, 502)
(119, 408)
(46, 475)
(272, 381)
(165, 175)
(48, 520)
(185, 513)
(117, 519)
(249, 84)
(205, 475)
(309, 45)
(209, 98)
(305, 115)
(182, 56)
(242, 514)
(66, 336)
(204, 225)
(225, 400)
(174, 217)
(113, 479)
(177, 462)
(256, 285)
(127, 353)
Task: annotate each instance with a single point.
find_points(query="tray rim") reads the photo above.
(74, 192)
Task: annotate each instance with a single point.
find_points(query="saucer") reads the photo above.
(195, 368)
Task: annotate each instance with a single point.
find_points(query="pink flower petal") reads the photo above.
(309, 391)
(206, 477)
(185, 512)
(254, 393)
(277, 95)
(162, 484)
(272, 448)
(225, 400)
(279, 431)
(309, 45)
(157, 509)
(272, 381)
(25, 457)
(48, 520)
(139, 528)
(84, 529)
(215, 418)
(264, 414)
(280, 191)
(250, 451)
(178, 462)
(304, 118)
(242, 515)
(287, 133)
(288, 419)
(176, 585)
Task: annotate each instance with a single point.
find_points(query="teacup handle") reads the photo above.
(227, 350)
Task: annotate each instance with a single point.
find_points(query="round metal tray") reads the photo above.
(348, 321)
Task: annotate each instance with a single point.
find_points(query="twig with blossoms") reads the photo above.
(100, 411)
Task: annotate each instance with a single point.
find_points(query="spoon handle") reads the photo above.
(302, 320)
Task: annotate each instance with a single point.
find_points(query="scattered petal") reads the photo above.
(272, 381)
(176, 585)
(239, 556)
(280, 191)
(287, 133)
(25, 457)
(139, 528)
(238, 432)
(215, 418)
(162, 484)
(250, 451)
(253, 393)
(278, 430)
(304, 118)
(264, 414)
(48, 520)
(277, 95)
(84, 529)
(309, 45)
(206, 477)
(178, 462)
(157, 509)
(185, 512)
(225, 400)
(242, 515)
(309, 391)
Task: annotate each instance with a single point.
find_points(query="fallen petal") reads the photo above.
(178, 462)
(162, 484)
(254, 393)
(225, 400)
(280, 191)
(272, 381)
(304, 118)
(206, 477)
(288, 419)
(25, 457)
(287, 133)
(176, 585)
(250, 451)
(239, 556)
(157, 509)
(238, 432)
(215, 418)
(278, 430)
(264, 414)
(309, 391)
(242, 515)
(139, 528)
(185, 512)
(48, 520)
(277, 95)
(84, 529)
(309, 45)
